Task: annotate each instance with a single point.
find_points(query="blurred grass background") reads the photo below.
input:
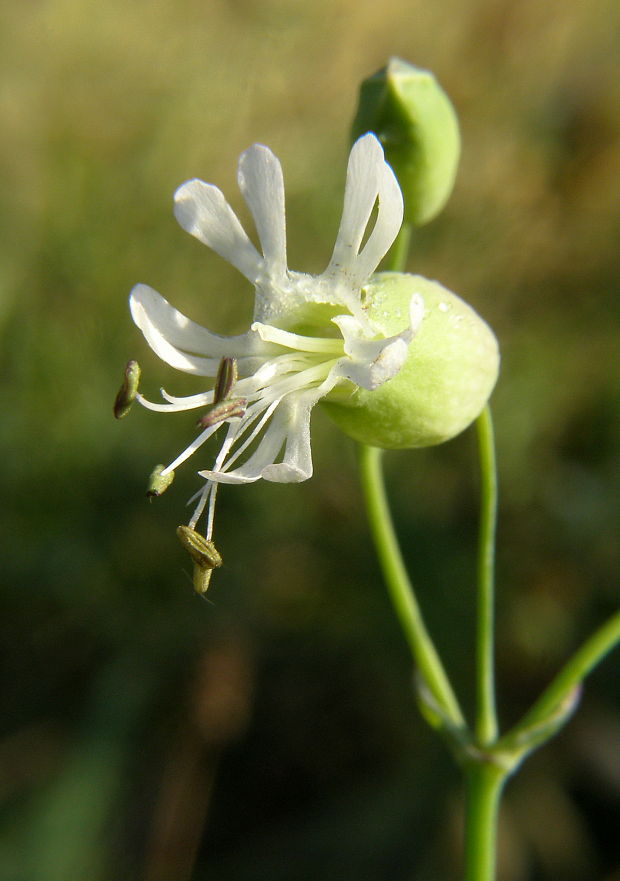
(271, 733)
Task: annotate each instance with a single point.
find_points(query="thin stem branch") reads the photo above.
(400, 588)
(486, 717)
(397, 257)
(571, 676)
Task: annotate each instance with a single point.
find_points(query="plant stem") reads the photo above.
(397, 257)
(486, 717)
(484, 778)
(571, 675)
(400, 588)
(484, 783)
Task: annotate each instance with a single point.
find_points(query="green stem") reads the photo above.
(400, 588)
(571, 675)
(484, 783)
(397, 257)
(486, 718)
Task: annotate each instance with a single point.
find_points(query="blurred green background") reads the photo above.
(271, 733)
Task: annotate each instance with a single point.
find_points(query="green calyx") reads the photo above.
(418, 128)
(445, 382)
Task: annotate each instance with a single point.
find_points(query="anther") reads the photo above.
(158, 482)
(203, 552)
(225, 379)
(128, 391)
(223, 411)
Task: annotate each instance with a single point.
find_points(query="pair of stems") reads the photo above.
(484, 778)
(486, 758)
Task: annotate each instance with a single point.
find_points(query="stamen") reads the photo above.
(202, 495)
(188, 401)
(128, 392)
(195, 445)
(203, 552)
(223, 411)
(211, 512)
(312, 375)
(200, 549)
(159, 481)
(225, 379)
(176, 405)
(318, 345)
(219, 462)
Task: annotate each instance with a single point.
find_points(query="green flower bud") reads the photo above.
(416, 123)
(443, 385)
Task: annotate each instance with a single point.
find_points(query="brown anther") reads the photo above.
(223, 411)
(225, 380)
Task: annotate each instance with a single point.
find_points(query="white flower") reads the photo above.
(283, 373)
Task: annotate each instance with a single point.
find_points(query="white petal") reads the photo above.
(289, 428)
(202, 210)
(376, 367)
(265, 454)
(262, 185)
(387, 225)
(296, 464)
(369, 178)
(370, 363)
(360, 195)
(175, 337)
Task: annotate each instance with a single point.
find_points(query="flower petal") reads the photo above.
(370, 362)
(368, 177)
(379, 365)
(388, 222)
(296, 463)
(174, 337)
(202, 211)
(360, 196)
(262, 185)
(289, 427)
(265, 454)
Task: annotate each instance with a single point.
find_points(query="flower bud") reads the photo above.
(445, 382)
(416, 123)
